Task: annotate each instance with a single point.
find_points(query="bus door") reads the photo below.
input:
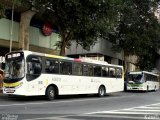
(34, 69)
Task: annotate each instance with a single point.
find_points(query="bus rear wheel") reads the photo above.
(50, 93)
(101, 91)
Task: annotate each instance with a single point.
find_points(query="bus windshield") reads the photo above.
(135, 77)
(14, 69)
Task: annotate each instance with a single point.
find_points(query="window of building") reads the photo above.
(52, 66)
(65, 68)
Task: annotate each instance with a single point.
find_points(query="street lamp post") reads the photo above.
(11, 30)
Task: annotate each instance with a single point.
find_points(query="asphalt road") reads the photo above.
(116, 106)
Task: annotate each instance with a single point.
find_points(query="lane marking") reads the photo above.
(142, 110)
(119, 116)
(143, 106)
(67, 101)
(114, 111)
(51, 118)
(149, 107)
(128, 112)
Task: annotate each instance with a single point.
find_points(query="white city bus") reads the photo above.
(142, 80)
(51, 75)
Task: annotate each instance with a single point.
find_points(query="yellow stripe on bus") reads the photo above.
(53, 56)
(11, 84)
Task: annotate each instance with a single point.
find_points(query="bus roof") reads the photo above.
(141, 72)
(72, 59)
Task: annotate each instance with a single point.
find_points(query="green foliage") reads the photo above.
(148, 61)
(138, 31)
(129, 24)
(4, 4)
(80, 20)
(2, 9)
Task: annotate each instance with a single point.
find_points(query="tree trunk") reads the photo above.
(125, 63)
(63, 46)
(24, 29)
(64, 41)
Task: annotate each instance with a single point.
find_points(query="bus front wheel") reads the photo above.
(50, 93)
(101, 91)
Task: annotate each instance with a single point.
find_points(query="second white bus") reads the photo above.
(142, 80)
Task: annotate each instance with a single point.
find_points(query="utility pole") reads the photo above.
(11, 30)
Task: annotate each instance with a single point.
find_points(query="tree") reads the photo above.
(2, 9)
(82, 21)
(8, 4)
(138, 31)
(148, 61)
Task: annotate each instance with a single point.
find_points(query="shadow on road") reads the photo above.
(70, 97)
(43, 98)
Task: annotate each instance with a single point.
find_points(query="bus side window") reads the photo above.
(90, 70)
(112, 72)
(105, 72)
(77, 69)
(65, 68)
(52, 66)
(150, 78)
(87, 70)
(29, 68)
(157, 78)
(97, 71)
(146, 77)
(154, 78)
(34, 67)
(119, 73)
(37, 68)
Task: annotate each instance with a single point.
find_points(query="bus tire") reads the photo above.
(101, 91)
(50, 93)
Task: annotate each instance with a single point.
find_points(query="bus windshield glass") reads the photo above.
(135, 77)
(14, 69)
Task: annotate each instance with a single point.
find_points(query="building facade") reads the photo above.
(102, 50)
